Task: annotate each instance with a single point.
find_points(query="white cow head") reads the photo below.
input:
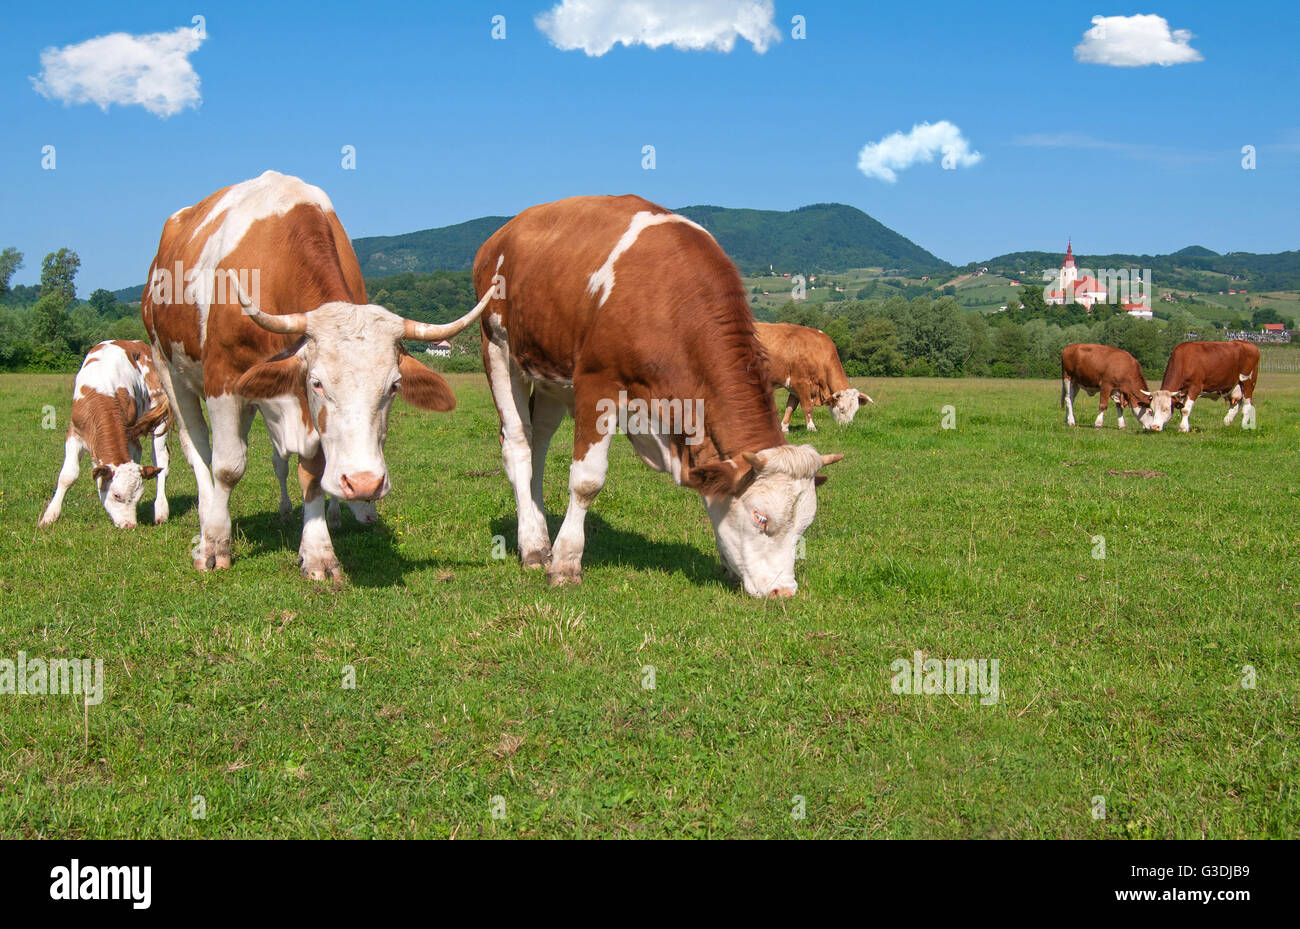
(350, 364)
(760, 509)
(120, 488)
(1163, 404)
(845, 403)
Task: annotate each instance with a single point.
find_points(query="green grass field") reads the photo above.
(1119, 678)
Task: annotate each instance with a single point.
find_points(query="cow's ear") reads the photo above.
(149, 471)
(721, 478)
(101, 472)
(278, 378)
(424, 388)
(819, 479)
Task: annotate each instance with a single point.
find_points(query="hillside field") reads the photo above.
(486, 704)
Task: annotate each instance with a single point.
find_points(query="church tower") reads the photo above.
(1069, 273)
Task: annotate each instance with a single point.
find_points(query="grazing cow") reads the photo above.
(805, 362)
(1107, 370)
(116, 399)
(1227, 369)
(321, 364)
(620, 311)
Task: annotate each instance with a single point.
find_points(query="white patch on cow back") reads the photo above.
(112, 368)
(245, 203)
(602, 279)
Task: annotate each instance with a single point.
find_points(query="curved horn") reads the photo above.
(290, 323)
(428, 332)
(831, 459)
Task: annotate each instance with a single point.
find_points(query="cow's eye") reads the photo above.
(119, 498)
(760, 520)
(396, 386)
(317, 386)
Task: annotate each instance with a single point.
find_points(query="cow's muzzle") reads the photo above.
(362, 485)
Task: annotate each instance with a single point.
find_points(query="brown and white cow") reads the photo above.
(116, 399)
(320, 363)
(1226, 369)
(1107, 370)
(805, 362)
(616, 309)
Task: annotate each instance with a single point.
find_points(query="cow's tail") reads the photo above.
(1062, 384)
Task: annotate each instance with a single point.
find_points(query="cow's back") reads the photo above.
(1212, 367)
(278, 236)
(592, 280)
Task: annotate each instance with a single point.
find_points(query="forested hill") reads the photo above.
(821, 237)
(1279, 271)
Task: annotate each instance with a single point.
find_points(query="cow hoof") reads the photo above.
(332, 517)
(785, 428)
(285, 513)
(47, 520)
(564, 574)
(812, 427)
(322, 569)
(536, 559)
(204, 562)
(159, 518)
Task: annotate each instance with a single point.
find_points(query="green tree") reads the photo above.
(873, 350)
(59, 274)
(10, 261)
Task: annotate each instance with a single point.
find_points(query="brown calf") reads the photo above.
(116, 399)
(805, 362)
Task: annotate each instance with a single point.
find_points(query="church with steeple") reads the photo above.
(1070, 288)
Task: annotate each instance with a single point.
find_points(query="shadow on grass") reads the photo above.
(368, 554)
(609, 546)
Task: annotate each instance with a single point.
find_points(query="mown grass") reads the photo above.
(1119, 678)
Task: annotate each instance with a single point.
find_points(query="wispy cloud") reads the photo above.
(1134, 41)
(596, 26)
(897, 152)
(152, 71)
(1144, 151)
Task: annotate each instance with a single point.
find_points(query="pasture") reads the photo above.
(1120, 677)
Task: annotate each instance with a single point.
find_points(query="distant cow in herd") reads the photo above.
(116, 401)
(806, 363)
(1226, 369)
(1106, 370)
(607, 307)
(306, 349)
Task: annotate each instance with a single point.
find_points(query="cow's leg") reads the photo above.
(333, 516)
(511, 392)
(593, 434)
(1071, 390)
(316, 553)
(73, 449)
(192, 429)
(1185, 425)
(791, 404)
(162, 458)
(806, 399)
(1119, 409)
(281, 468)
(1101, 411)
(547, 413)
(232, 417)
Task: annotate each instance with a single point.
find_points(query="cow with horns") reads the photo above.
(269, 313)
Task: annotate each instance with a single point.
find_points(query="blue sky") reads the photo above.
(450, 124)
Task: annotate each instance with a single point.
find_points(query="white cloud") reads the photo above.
(152, 71)
(596, 26)
(896, 152)
(1133, 41)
